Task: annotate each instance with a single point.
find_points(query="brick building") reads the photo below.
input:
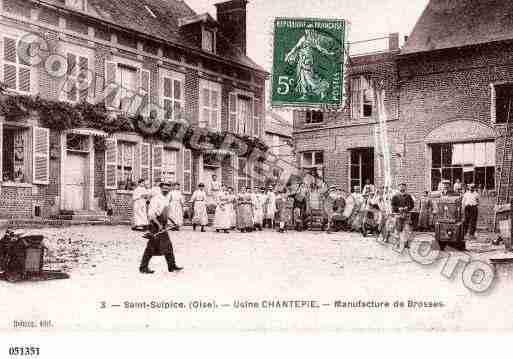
(184, 62)
(341, 145)
(447, 93)
(278, 136)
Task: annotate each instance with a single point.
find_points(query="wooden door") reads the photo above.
(75, 181)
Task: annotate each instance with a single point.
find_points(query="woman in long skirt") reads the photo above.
(231, 208)
(245, 210)
(270, 207)
(139, 197)
(281, 206)
(222, 221)
(176, 202)
(258, 199)
(199, 204)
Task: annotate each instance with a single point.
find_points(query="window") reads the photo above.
(503, 103)
(169, 167)
(362, 98)
(77, 4)
(122, 85)
(243, 173)
(128, 87)
(76, 142)
(172, 97)
(362, 167)
(76, 87)
(468, 162)
(210, 105)
(313, 117)
(208, 41)
(125, 165)
(16, 71)
(15, 154)
(241, 116)
(313, 162)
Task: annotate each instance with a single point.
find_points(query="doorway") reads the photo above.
(76, 172)
(75, 189)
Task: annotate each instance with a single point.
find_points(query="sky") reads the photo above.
(368, 19)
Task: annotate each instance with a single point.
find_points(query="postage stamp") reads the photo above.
(308, 62)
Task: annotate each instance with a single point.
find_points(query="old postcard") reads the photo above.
(291, 166)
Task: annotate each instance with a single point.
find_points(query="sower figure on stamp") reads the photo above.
(159, 243)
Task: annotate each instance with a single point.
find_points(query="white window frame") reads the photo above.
(237, 94)
(493, 104)
(173, 77)
(247, 177)
(28, 162)
(170, 167)
(120, 143)
(208, 122)
(319, 167)
(137, 94)
(206, 45)
(310, 113)
(72, 77)
(19, 66)
(358, 90)
(187, 152)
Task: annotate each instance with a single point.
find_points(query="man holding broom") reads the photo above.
(159, 243)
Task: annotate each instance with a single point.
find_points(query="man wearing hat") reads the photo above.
(469, 204)
(159, 243)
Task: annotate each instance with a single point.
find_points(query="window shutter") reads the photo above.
(24, 79)
(1, 146)
(187, 171)
(145, 161)
(205, 110)
(214, 105)
(232, 113)
(111, 156)
(145, 92)
(10, 49)
(256, 118)
(41, 155)
(112, 92)
(177, 96)
(493, 107)
(157, 164)
(83, 64)
(70, 91)
(9, 55)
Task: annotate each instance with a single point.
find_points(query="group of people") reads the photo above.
(249, 210)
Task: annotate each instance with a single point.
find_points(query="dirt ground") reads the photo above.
(234, 282)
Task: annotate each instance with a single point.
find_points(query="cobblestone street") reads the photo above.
(103, 264)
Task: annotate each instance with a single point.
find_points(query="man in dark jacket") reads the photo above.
(402, 200)
(159, 243)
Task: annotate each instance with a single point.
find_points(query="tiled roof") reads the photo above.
(447, 24)
(133, 15)
(276, 124)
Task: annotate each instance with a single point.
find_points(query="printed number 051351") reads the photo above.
(24, 351)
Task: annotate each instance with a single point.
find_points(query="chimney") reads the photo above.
(231, 16)
(393, 41)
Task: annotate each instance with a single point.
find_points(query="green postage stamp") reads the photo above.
(308, 62)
